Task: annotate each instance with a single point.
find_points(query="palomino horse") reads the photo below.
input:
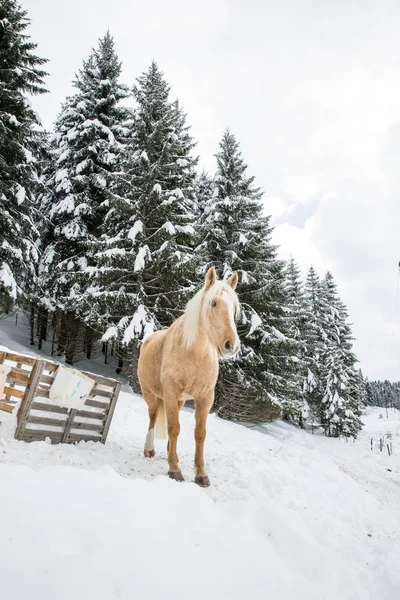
(181, 363)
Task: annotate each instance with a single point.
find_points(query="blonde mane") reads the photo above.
(197, 307)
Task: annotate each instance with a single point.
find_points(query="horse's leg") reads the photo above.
(180, 404)
(203, 407)
(172, 409)
(151, 400)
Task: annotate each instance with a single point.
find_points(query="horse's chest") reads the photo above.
(193, 373)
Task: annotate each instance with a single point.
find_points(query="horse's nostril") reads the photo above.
(228, 345)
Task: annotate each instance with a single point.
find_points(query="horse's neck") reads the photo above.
(203, 344)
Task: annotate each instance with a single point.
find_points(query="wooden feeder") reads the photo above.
(27, 387)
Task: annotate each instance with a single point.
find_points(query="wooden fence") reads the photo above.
(28, 384)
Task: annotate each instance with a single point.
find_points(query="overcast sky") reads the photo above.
(311, 89)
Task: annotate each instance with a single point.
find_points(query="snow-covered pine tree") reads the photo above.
(90, 137)
(204, 193)
(296, 408)
(20, 136)
(340, 383)
(146, 268)
(314, 337)
(238, 238)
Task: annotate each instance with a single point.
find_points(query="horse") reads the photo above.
(181, 363)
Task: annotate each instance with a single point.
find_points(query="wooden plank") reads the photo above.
(37, 435)
(29, 397)
(46, 421)
(102, 393)
(51, 366)
(49, 408)
(18, 369)
(8, 408)
(43, 393)
(77, 437)
(91, 415)
(15, 376)
(12, 382)
(46, 379)
(2, 357)
(97, 404)
(9, 391)
(102, 380)
(42, 433)
(88, 426)
(20, 358)
(68, 425)
(110, 413)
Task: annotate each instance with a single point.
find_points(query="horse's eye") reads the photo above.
(214, 303)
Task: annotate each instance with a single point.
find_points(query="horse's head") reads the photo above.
(221, 308)
(213, 310)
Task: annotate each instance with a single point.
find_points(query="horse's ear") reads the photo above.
(211, 277)
(233, 280)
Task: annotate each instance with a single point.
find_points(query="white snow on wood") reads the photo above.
(81, 166)
(188, 229)
(20, 195)
(255, 322)
(278, 334)
(64, 206)
(12, 250)
(111, 333)
(142, 255)
(64, 155)
(140, 325)
(101, 181)
(61, 174)
(157, 189)
(169, 228)
(177, 193)
(112, 252)
(137, 228)
(7, 279)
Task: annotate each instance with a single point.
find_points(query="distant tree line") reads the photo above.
(383, 393)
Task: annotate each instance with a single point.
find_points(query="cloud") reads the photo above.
(312, 92)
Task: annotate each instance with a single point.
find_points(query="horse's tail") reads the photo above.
(161, 427)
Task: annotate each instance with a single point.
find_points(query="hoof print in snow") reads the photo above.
(202, 480)
(149, 453)
(175, 475)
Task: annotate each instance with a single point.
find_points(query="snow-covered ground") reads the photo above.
(289, 515)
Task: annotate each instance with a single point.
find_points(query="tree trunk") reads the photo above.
(88, 342)
(72, 339)
(32, 325)
(134, 380)
(43, 318)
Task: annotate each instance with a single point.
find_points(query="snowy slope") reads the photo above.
(289, 515)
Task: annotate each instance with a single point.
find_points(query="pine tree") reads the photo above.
(296, 408)
(238, 238)
(314, 337)
(339, 378)
(146, 270)
(204, 193)
(90, 137)
(20, 138)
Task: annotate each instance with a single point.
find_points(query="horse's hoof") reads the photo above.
(176, 475)
(149, 453)
(202, 480)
